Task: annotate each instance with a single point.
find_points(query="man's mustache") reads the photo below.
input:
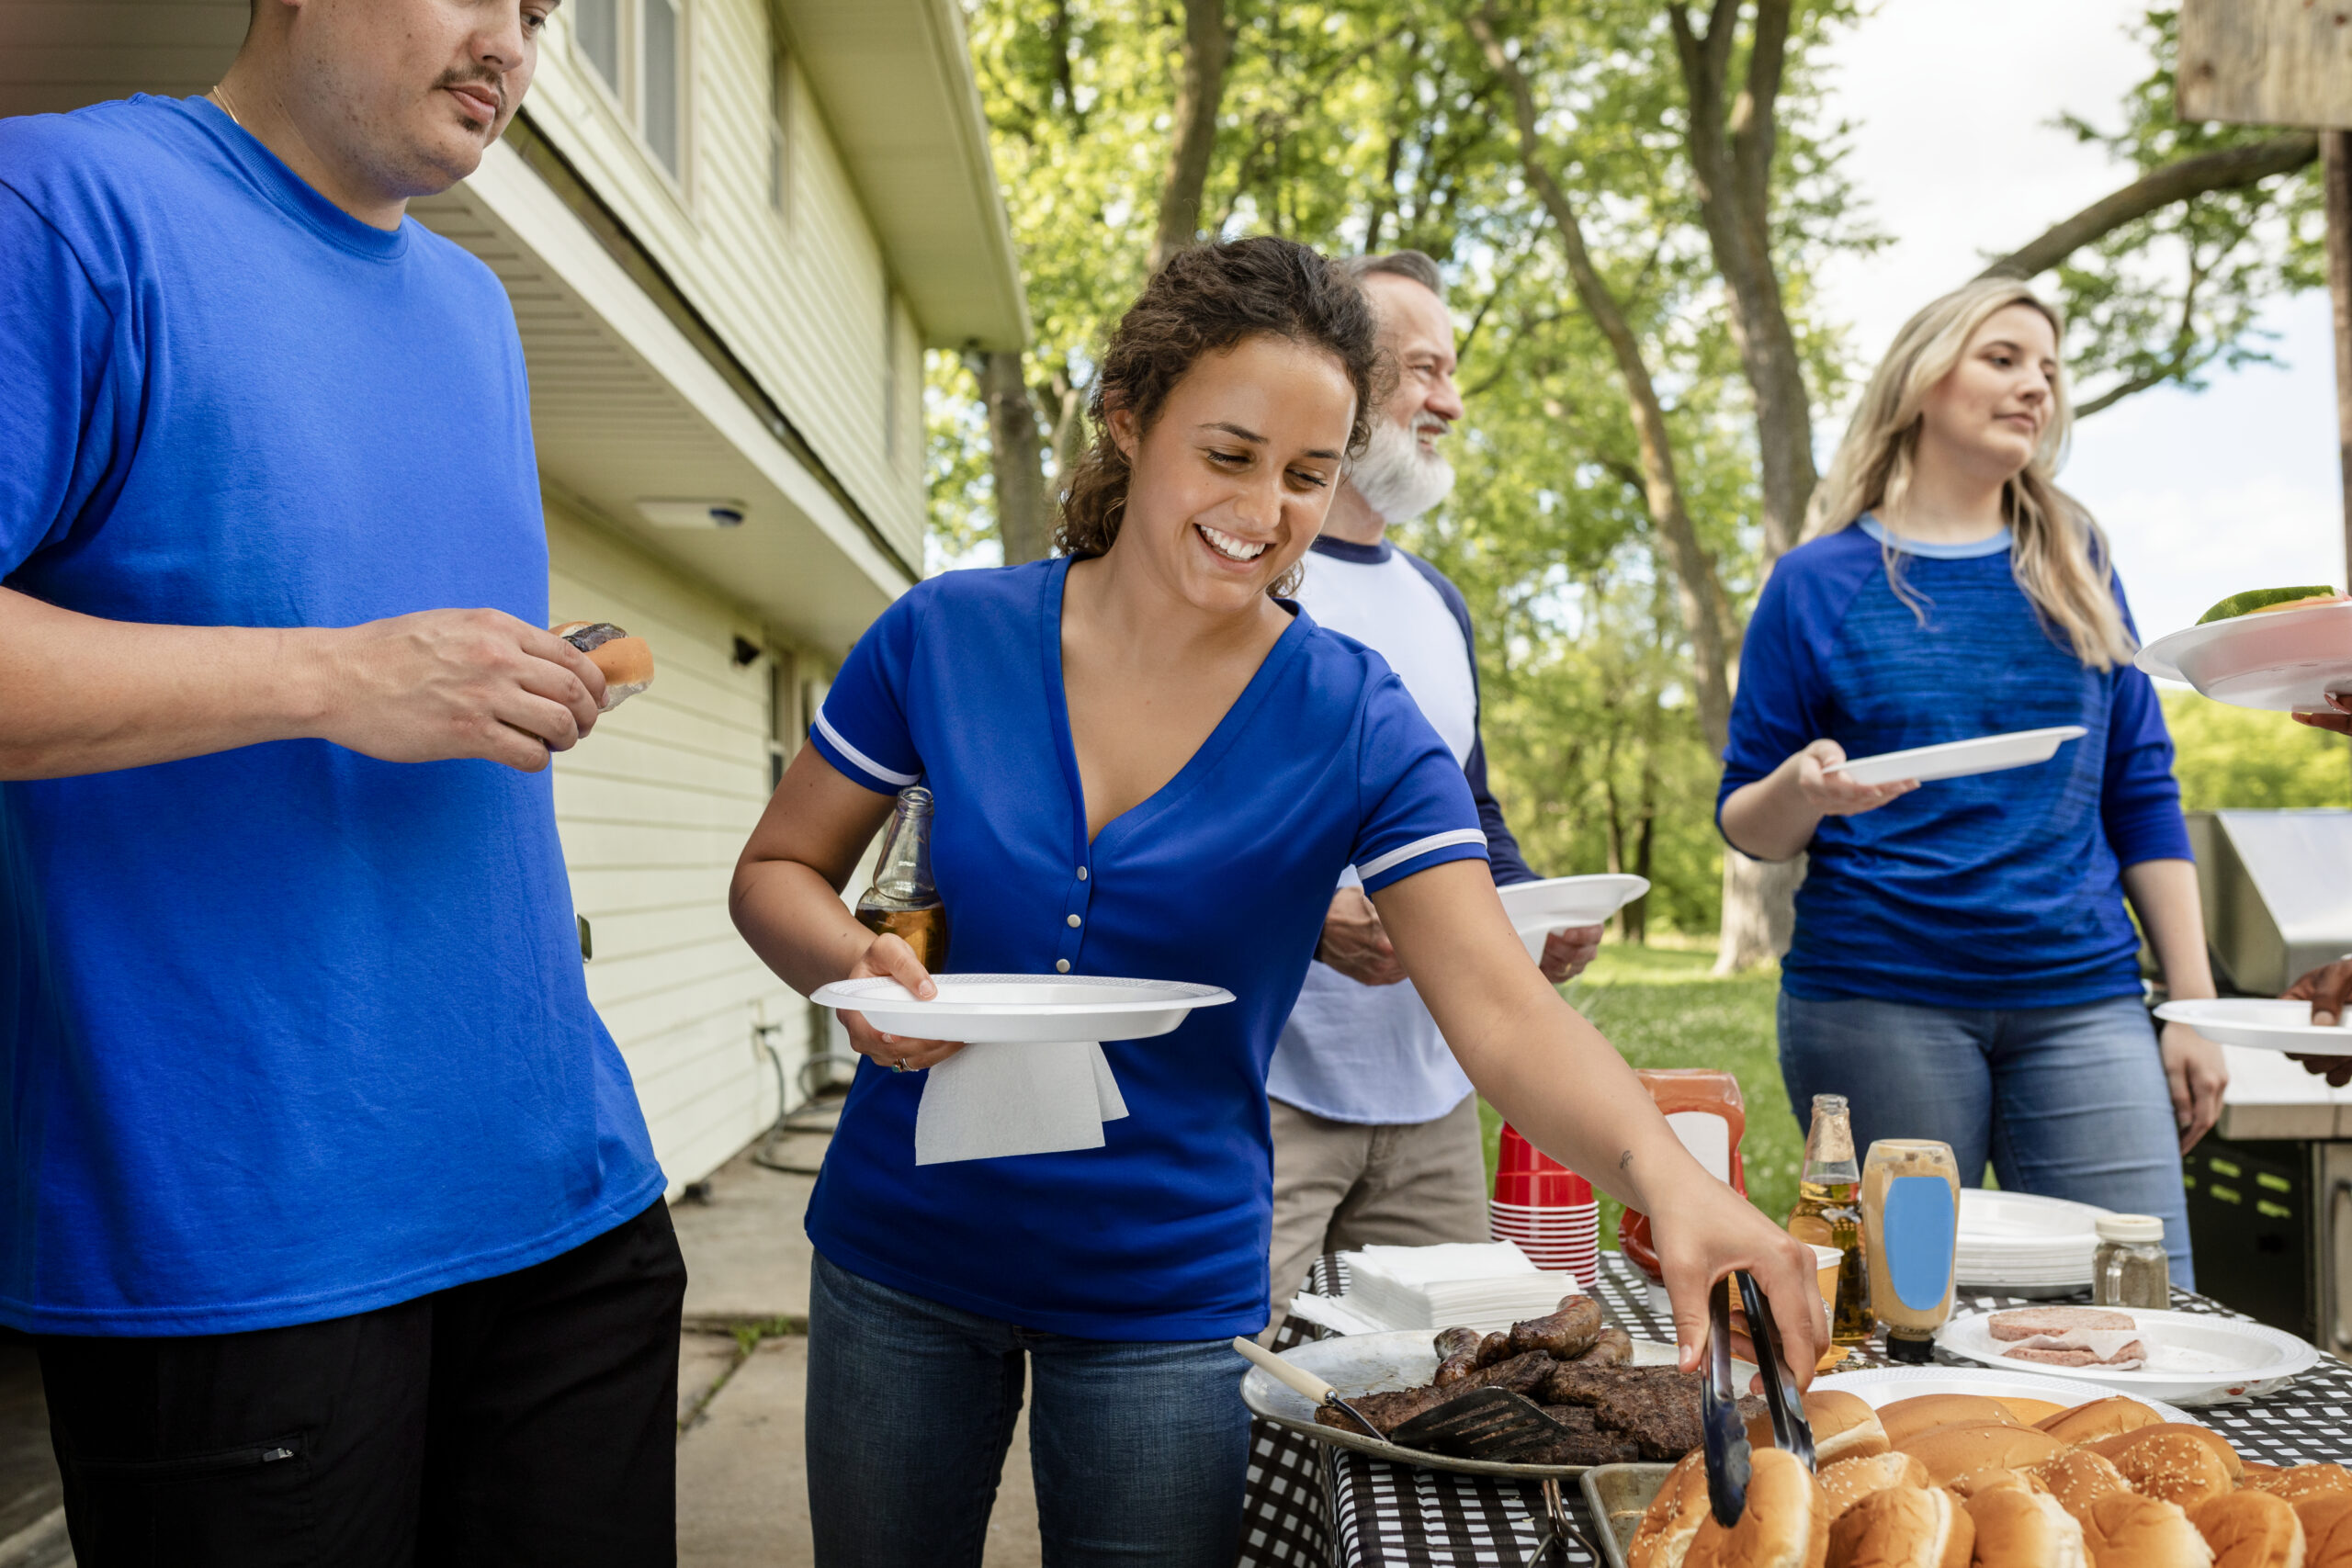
(479, 76)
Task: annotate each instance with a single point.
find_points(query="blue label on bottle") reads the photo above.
(1919, 1226)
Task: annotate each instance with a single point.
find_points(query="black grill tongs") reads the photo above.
(1728, 1459)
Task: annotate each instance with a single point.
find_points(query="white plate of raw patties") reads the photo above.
(1557, 903)
(1880, 1386)
(2285, 660)
(1022, 1008)
(1959, 758)
(2192, 1358)
(2261, 1022)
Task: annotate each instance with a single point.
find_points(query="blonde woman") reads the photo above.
(1964, 968)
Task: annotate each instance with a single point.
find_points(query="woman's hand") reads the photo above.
(891, 955)
(1566, 954)
(1774, 818)
(1704, 1230)
(2197, 1074)
(1835, 794)
(2328, 988)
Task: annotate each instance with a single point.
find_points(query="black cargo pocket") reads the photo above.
(251, 1506)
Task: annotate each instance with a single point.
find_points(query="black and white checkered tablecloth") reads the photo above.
(1310, 1504)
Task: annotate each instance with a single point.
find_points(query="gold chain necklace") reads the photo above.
(219, 95)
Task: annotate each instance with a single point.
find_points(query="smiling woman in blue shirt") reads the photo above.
(1964, 965)
(1148, 764)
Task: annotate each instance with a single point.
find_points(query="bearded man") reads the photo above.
(1376, 1136)
(330, 1209)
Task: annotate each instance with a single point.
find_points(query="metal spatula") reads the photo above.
(1292, 1375)
(1484, 1422)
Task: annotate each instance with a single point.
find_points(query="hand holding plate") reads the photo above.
(890, 956)
(1835, 794)
(2328, 988)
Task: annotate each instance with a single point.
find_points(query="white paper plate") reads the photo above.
(1558, 902)
(1881, 1386)
(2262, 1022)
(1404, 1357)
(2286, 661)
(1024, 1009)
(2193, 1359)
(2018, 1243)
(1959, 759)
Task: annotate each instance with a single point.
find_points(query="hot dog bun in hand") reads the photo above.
(626, 661)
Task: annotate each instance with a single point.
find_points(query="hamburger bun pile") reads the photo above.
(1956, 1480)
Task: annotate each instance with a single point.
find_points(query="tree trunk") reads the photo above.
(1759, 910)
(1200, 93)
(1731, 161)
(1023, 519)
(1695, 587)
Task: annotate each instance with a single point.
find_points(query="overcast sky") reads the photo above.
(2204, 493)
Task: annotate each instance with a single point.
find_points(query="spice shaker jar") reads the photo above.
(2129, 1269)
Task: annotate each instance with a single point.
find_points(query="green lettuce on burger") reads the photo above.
(2262, 601)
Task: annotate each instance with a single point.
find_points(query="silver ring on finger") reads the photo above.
(899, 1066)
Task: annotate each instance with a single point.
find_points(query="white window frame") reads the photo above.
(627, 99)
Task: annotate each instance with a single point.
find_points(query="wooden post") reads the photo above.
(2336, 170)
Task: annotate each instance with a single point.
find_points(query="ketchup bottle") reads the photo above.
(1704, 1107)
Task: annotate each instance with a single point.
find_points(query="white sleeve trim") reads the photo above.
(824, 727)
(1396, 857)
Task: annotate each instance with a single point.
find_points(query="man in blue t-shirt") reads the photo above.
(328, 1201)
(1376, 1135)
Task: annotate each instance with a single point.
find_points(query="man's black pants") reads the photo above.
(529, 1418)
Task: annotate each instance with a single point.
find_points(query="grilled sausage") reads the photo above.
(1565, 1332)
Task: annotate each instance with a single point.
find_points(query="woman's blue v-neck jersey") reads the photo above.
(2002, 890)
(1223, 877)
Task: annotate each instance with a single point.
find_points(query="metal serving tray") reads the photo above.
(1619, 1495)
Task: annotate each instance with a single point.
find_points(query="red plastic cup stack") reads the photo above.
(1547, 1209)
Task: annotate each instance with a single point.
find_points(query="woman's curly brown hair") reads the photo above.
(1206, 300)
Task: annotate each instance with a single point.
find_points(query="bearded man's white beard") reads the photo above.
(1396, 477)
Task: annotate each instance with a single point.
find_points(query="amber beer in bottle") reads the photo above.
(903, 900)
(1829, 1214)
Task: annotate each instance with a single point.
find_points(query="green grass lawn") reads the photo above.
(1662, 1008)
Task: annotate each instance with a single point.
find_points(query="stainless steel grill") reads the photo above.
(2270, 1192)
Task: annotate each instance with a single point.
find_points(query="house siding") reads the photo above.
(799, 296)
(653, 808)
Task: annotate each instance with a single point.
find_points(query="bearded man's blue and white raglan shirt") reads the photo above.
(1373, 1054)
(286, 1033)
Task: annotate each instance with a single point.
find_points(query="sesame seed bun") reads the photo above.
(1903, 1527)
(2250, 1529)
(1950, 1452)
(2099, 1419)
(1663, 1537)
(2020, 1528)
(1850, 1481)
(1908, 1419)
(1976, 1482)
(1785, 1524)
(2078, 1478)
(2121, 1443)
(2303, 1481)
(2032, 1412)
(2326, 1519)
(2175, 1467)
(1843, 1427)
(2127, 1531)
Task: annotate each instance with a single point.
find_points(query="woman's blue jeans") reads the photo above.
(2068, 1102)
(1139, 1448)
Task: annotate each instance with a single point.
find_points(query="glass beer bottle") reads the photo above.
(903, 901)
(1829, 1214)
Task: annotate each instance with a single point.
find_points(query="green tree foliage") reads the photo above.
(2165, 297)
(2229, 757)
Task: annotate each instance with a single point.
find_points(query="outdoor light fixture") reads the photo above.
(695, 513)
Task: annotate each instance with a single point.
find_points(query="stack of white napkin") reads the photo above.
(1485, 1286)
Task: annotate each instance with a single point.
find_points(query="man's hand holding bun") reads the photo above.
(441, 685)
